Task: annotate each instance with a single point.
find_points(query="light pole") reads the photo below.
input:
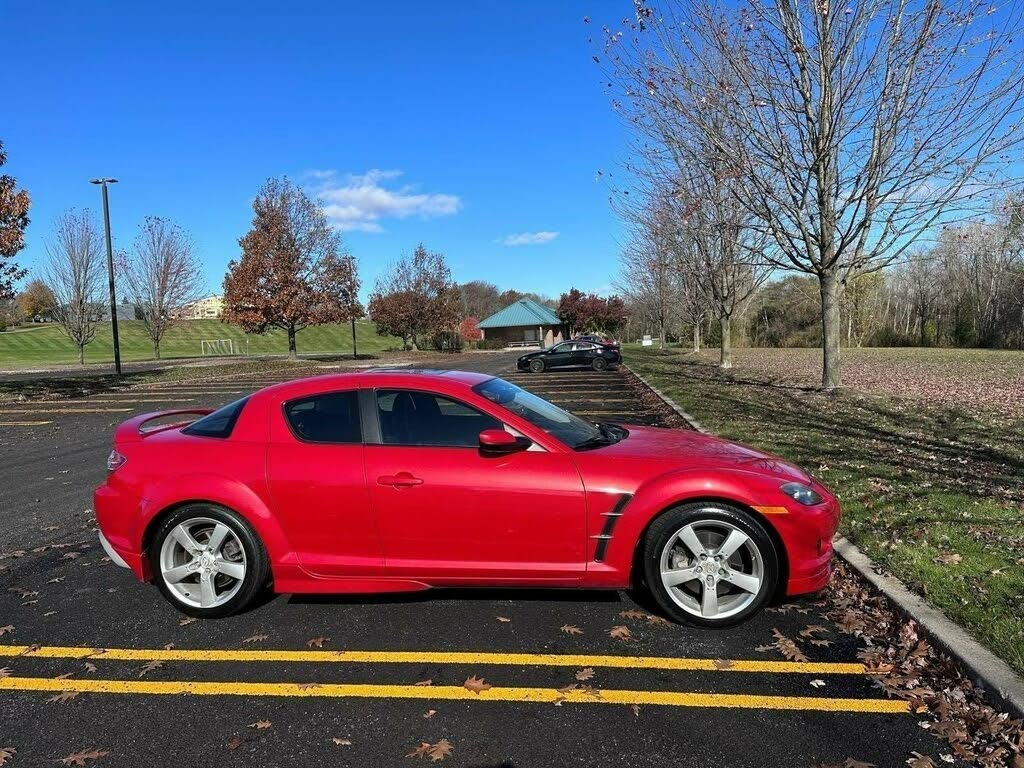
(110, 272)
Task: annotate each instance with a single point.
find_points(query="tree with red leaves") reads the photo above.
(416, 297)
(292, 273)
(13, 221)
(469, 330)
(590, 312)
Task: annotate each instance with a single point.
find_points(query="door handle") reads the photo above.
(401, 480)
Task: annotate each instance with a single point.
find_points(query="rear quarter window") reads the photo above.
(220, 423)
(332, 417)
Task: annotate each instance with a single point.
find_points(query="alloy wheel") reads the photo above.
(712, 569)
(202, 562)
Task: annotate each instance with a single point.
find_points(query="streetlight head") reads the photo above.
(103, 181)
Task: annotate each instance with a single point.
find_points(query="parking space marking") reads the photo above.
(439, 657)
(439, 692)
(24, 423)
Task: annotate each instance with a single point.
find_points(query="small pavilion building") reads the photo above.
(524, 323)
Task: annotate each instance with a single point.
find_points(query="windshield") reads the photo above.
(571, 430)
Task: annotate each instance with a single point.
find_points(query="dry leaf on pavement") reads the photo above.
(571, 629)
(425, 682)
(151, 666)
(636, 710)
(5, 672)
(260, 725)
(621, 632)
(234, 743)
(585, 674)
(81, 758)
(920, 761)
(342, 742)
(317, 642)
(255, 638)
(429, 714)
(6, 753)
(503, 619)
(63, 697)
(7, 629)
(186, 622)
(632, 614)
(476, 684)
(723, 663)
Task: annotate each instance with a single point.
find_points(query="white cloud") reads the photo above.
(530, 238)
(358, 202)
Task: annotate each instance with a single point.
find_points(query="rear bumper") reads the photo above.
(112, 553)
(117, 515)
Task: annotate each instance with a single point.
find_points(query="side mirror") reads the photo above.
(497, 442)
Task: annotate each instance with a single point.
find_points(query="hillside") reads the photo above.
(48, 344)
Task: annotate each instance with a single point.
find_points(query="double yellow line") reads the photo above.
(497, 693)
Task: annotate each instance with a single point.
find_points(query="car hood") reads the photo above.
(690, 450)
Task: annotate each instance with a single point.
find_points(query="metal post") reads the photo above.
(354, 354)
(110, 273)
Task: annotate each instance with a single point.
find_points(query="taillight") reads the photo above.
(115, 461)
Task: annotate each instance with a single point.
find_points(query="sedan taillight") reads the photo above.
(115, 461)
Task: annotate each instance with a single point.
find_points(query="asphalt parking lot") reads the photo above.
(91, 660)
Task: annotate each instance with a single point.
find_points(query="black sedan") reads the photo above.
(570, 354)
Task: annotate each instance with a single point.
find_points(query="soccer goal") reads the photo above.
(219, 347)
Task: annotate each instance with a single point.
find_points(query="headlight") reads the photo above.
(806, 496)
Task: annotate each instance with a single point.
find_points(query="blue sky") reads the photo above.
(464, 124)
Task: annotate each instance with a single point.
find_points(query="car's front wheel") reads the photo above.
(599, 364)
(537, 366)
(207, 561)
(709, 564)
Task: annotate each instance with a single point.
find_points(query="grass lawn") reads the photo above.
(49, 345)
(930, 490)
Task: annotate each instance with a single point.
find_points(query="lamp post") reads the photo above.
(110, 272)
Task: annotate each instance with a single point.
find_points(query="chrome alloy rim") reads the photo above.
(712, 569)
(202, 562)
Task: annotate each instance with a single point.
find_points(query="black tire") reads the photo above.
(709, 515)
(536, 366)
(599, 364)
(256, 561)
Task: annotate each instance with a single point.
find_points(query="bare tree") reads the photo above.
(161, 275)
(863, 124)
(74, 270)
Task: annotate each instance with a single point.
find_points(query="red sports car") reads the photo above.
(389, 481)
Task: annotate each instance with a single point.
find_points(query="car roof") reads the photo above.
(379, 377)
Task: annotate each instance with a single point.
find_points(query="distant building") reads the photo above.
(125, 311)
(209, 308)
(524, 323)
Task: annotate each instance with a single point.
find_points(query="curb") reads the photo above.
(694, 424)
(999, 682)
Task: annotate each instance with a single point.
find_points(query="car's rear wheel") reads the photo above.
(599, 364)
(207, 561)
(709, 564)
(536, 366)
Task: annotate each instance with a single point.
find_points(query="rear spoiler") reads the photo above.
(132, 431)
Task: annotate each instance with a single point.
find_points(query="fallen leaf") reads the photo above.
(317, 642)
(621, 632)
(585, 674)
(420, 751)
(186, 622)
(425, 682)
(851, 763)
(5, 672)
(948, 558)
(260, 725)
(234, 743)
(70, 555)
(169, 647)
(571, 629)
(65, 676)
(636, 710)
(503, 619)
(818, 683)
(429, 714)
(30, 649)
(440, 751)
(63, 697)
(90, 667)
(633, 614)
(723, 663)
(812, 630)
(56, 580)
(6, 753)
(308, 686)
(920, 761)
(151, 666)
(476, 684)
(256, 638)
(788, 647)
(6, 630)
(342, 742)
(80, 758)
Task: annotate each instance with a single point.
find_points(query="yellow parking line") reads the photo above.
(533, 695)
(23, 423)
(439, 657)
(63, 410)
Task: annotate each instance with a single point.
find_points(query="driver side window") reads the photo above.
(408, 417)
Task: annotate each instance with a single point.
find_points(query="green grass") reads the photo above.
(931, 491)
(49, 345)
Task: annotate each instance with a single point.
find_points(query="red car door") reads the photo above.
(449, 514)
(318, 485)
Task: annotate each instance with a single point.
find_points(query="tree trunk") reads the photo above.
(661, 334)
(81, 354)
(831, 330)
(292, 352)
(696, 337)
(156, 349)
(726, 324)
